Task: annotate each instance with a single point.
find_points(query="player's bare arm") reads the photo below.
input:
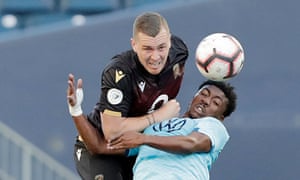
(93, 140)
(114, 126)
(194, 142)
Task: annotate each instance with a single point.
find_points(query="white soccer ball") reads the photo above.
(219, 57)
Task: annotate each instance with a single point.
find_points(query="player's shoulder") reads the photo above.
(209, 120)
(124, 61)
(178, 51)
(212, 126)
(178, 43)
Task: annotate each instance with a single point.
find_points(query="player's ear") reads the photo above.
(133, 44)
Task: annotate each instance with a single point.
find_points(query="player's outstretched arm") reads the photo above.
(194, 142)
(94, 142)
(114, 126)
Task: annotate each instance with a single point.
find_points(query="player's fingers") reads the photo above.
(71, 100)
(114, 145)
(115, 141)
(70, 89)
(71, 78)
(179, 107)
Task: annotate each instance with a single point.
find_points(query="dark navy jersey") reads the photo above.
(128, 90)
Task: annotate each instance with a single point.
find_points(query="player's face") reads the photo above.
(152, 51)
(209, 101)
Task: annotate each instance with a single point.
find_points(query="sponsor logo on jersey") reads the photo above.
(142, 85)
(119, 75)
(170, 125)
(114, 96)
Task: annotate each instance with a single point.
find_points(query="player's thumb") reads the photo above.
(79, 83)
(76, 109)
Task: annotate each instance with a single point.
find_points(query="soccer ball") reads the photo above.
(219, 57)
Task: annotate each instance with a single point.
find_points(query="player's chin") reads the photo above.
(195, 114)
(154, 70)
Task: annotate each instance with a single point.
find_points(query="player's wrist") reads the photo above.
(76, 110)
(151, 118)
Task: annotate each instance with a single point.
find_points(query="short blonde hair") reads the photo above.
(149, 23)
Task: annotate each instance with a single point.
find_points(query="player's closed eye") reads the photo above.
(162, 48)
(217, 103)
(147, 48)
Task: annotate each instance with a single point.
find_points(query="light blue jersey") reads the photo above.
(155, 164)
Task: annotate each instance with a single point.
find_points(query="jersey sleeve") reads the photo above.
(94, 118)
(116, 91)
(215, 130)
(132, 151)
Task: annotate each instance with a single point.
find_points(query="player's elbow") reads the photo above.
(206, 145)
(112, 132)
(96, 147)
(198, 145)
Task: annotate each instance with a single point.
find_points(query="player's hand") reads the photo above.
(167, 111)
(74, 96)
(129, 139)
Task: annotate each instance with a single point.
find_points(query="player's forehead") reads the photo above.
(162, 38)
(213, 90)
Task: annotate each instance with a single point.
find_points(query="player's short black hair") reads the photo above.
(229, 92)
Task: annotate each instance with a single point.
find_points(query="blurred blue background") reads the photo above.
(60, 38)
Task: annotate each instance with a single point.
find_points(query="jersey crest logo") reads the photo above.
(119, 75)
(177, 71)
(142, 85)
(114, 96)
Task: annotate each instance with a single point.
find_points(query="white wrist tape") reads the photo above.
(76, 109)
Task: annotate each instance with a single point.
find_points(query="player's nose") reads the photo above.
(205, 101)
(155, 55)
